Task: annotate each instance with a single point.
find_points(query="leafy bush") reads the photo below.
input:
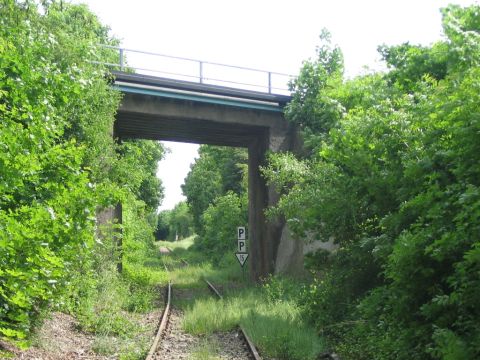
(216, 171)
(47, 198)
(220, 222)
(59, 163)
(393, 176)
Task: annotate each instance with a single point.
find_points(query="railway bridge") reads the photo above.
(161, 108)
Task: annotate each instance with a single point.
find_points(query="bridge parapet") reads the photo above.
(198, 71)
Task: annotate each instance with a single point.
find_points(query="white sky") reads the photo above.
(275, 35)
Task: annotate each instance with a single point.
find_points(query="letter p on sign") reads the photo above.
(241, 233)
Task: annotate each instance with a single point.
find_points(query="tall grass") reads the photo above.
(270, 313)
(276, 327)
(182, 244)
(227, 271)
(206, 350)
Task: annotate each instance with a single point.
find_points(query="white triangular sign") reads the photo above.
(242, 258)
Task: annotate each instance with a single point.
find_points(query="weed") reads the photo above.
(277, 328)
(181, 244)
(6, 355)
(104, 345)
(206, 350)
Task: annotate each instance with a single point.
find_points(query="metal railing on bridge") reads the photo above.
(203, 72)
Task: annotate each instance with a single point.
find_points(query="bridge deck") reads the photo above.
(186, 90)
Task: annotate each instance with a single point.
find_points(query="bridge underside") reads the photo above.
(147, 126)
(153, 109)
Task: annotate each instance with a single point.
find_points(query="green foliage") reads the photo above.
(135, 171)
(280, 289)
(393, 176)
(109, 305)
(59, 164)
(220, 222)
(162, 231)
(175, 224)
(270, 313)
(309, 108)
(410, 63)
(181, 222)
(216, 191)
(216, 171)
(142, 270)
(47, 193)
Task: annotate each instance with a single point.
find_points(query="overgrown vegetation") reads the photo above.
(59, 167)
(275, 325)
(215, 172)
(175, 224)
(217, 202)
(223, 271)
(270, 313)
(393, 175)
(391, 171)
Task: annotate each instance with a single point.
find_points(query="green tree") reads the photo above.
(180, 222)
(135, 170)
(220, 222)
(58, 161)
(47, 193)
(393, 175)
(216, 171)
(162, 231)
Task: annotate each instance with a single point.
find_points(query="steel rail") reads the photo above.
(163, 321)
(213, 289)
(250, 345)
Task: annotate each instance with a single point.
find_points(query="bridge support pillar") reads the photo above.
(260, 258)
(109, 229)
(266, 235)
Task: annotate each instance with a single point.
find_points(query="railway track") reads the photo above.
(249, 342)
(168, 324)
(163, 323)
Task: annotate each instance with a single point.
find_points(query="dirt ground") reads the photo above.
(60, 339)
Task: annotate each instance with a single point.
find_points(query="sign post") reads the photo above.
(242, 254)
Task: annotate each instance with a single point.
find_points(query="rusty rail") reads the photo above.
(163, 321)
(250, 345)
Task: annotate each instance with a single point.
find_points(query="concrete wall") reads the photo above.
(290, 254)
(107, 229)
(292, 249)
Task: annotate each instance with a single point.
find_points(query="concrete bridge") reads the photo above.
(164, 109)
